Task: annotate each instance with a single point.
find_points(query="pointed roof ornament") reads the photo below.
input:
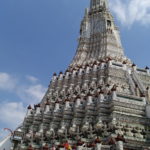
(147, 68)
(133, 65)
(47, 102)
(30, 147)
(60, 72)
(124, 62)
(99, 3)
(29, 107)
(54, 74)
(120, 138)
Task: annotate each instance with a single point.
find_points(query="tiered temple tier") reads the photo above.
(99, 100)
(99, 76)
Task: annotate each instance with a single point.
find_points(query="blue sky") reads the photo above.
(39, 37)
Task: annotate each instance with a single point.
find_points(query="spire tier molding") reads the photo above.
(101, 102)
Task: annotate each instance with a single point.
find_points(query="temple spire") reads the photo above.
(99, 3)
(99, 36)
(102, 101)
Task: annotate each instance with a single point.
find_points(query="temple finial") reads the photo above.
(99, 3)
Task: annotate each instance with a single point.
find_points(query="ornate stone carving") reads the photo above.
(101, 94)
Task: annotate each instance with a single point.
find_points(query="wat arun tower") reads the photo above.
(100, 102)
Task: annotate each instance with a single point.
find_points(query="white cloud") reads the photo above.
(32, 79)
(31, 94)
(129, 12)
(7, 82)
(36, 91)
(12, 114)
(28, 92)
